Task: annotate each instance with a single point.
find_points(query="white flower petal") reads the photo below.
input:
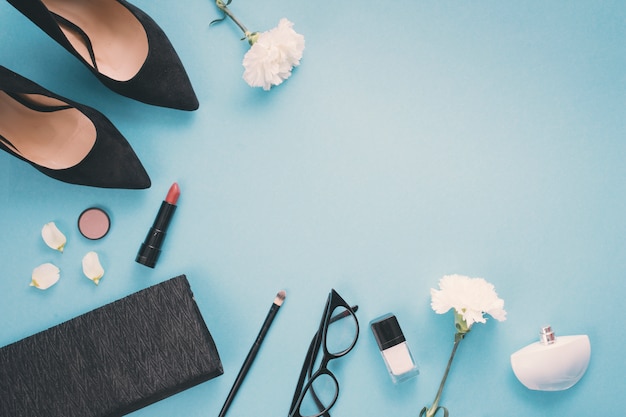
(53, 236)
(470, 297)
(45, 276)
(273, 55)
(92, 267)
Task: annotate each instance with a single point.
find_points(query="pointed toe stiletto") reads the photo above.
(63, 139)
(121, 45)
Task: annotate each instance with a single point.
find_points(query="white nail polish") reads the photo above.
(393, 348)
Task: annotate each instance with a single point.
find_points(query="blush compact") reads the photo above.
(94, 223)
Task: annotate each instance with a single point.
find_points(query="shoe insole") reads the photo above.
(55, 139)
(118, 39)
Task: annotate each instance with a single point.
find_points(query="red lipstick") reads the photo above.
(173, 194)
(151, 247)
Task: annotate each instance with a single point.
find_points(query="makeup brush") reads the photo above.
(278, 301)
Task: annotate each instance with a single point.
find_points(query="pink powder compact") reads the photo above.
(94, 223)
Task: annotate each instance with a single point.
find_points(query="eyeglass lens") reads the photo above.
(340, 334)
(320, 395)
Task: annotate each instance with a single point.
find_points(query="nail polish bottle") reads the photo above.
(393, 348)
(552, 364)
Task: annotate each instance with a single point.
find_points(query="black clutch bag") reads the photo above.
(112, 360)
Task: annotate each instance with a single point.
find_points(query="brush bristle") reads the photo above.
(280, 297)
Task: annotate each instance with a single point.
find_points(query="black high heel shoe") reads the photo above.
(65, 140)
(123, 47)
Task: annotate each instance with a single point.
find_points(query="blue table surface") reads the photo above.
(416, 139)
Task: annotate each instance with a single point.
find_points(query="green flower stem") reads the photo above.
(250, 36)
(432, 410)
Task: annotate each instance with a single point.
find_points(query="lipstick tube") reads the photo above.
(151, 247)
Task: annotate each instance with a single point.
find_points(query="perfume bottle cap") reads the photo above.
(546, 336)
(387, 331)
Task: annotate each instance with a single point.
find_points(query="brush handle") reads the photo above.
(250, 358)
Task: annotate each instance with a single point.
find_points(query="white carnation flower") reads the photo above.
(273, 55)
(471, 298)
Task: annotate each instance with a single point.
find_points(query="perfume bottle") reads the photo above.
(393, 348)
(552, 364)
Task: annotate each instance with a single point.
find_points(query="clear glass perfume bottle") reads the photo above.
(552, 364)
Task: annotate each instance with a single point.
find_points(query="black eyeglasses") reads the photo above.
(318, 388)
